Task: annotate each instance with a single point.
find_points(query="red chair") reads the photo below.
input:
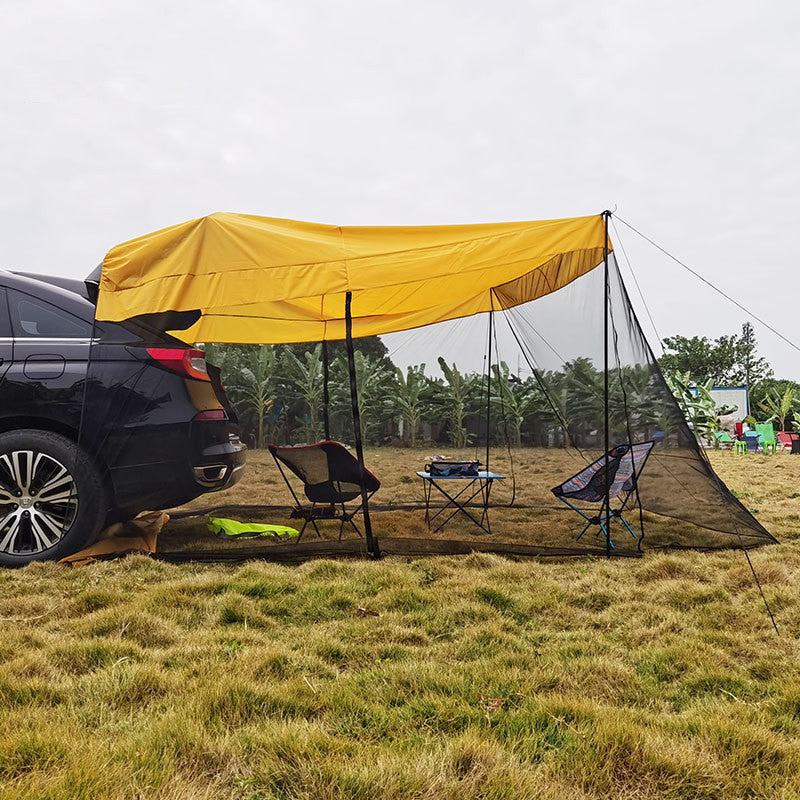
(331, 478)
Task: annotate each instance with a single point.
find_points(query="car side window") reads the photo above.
(33, 318)
(5, 322)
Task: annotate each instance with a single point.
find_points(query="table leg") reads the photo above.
(452, 500)
(485, 516)
(426, 490)
(460, 506)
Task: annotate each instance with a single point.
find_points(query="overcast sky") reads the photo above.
(120, 118)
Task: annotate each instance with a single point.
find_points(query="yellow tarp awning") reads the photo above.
(263, 280)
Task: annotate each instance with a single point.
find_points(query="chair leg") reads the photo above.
(630, 530)
(585, 528)
(345, 519)
(306, 520)
(605, 533)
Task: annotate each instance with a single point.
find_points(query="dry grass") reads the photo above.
(456, 677)
(537, 518)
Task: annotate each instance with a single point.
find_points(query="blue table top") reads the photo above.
(486, 476)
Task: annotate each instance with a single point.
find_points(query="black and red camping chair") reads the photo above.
(619, 469)
(331, 478)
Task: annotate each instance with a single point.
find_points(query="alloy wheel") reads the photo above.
(38, 502)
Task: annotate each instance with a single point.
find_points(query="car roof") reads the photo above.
(70, 284)
(58, 291)
(72, 295)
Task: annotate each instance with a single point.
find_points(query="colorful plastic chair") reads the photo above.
(766, 435)
(724, 439)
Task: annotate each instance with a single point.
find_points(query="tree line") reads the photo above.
(695, 364)
(277, 392)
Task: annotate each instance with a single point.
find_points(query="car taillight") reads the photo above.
(212, 413)
(186, 361)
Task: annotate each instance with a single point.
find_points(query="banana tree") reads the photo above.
(698, 405)
(583, 400)
(306, 381)
(375, 393)
(252, 387)
(409, 397)
(455, 395)
(515, 401)
(779, 406)
(644, 405)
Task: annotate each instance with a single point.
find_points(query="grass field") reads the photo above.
(452, 677)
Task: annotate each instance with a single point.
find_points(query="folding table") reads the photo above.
(484, 481)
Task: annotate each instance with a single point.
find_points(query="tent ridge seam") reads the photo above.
(118, 289)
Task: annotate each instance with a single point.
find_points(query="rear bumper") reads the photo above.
(196, 458)
(221, 465)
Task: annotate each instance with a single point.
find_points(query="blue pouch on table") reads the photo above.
(453, 469)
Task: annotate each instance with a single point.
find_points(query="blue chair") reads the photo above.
(751, 439)
(619, 469)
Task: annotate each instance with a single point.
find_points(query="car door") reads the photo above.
(6, 339)
(51, 347)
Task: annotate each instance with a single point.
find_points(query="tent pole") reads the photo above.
(606, 436)
(325, 397)
(489, 383)
(372, 542)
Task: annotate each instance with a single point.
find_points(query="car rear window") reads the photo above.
(35, 318)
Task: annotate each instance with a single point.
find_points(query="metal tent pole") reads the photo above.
(606, 436)
(372, 542)
(489, 385)
(325, 397)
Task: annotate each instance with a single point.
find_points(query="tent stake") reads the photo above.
(607, 501)
(372, 542)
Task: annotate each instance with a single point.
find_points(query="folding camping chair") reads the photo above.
(766, 436)
(331, 478)
(619, 469)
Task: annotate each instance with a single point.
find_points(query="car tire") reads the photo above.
(52, 500)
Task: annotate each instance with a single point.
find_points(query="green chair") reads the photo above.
(724, 439)
(740, 446)
(766, 436)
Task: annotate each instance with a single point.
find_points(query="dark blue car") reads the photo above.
(98, 421)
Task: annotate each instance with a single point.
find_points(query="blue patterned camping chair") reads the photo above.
(620, 469)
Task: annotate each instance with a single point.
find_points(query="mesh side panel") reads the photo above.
(561, 336)
(679, 481)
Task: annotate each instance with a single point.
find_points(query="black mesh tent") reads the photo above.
(547, 298)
